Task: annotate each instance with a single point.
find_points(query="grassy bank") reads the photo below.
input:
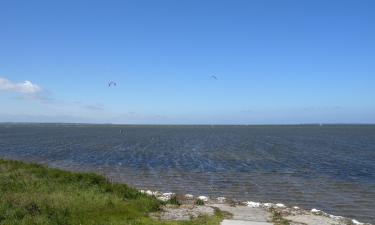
(34, 194)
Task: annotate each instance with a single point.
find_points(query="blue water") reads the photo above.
(331, 168)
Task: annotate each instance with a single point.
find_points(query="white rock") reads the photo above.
(315, 210)
(356, 222)
(203, 198)
(253, 204)
(295, 207)
(156, 193)
(335, 217)
(221, 199)
(142, 191)
(280, 205)
(267, 205)
(163, 198)
(189, 196)
(168, 194)
(148, 192)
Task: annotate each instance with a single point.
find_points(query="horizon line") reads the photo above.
(191, 124)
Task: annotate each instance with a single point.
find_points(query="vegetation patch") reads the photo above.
(199, 202)
(277, 218)
(32, 194)
(174, 201)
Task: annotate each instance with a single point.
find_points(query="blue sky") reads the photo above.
(276, 61)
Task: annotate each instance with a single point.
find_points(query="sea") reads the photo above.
(327, 167)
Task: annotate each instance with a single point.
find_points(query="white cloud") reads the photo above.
(26, 87)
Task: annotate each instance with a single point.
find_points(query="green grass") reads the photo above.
(33, 194)
(174, 201)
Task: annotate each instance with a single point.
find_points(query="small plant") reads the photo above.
(173, 200)
(278, 219)
(199, 202)
(223, 214)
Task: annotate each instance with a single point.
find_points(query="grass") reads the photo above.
(278, 219)
(174, 201)
(32, 194)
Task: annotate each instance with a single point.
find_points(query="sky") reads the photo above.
(276, 62)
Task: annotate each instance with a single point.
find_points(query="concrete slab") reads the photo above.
(245, 213)
(312, 220)
(243, 222)
(184, 212)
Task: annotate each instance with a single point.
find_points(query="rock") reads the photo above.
(168, 194)
(336, 217)
(267, 205)
(156, 193)
(163, 198)
(189, 196)
(356, 222)
(221, 199)
(315, 210)
(253, 204)
(280, 205)
(203, 198)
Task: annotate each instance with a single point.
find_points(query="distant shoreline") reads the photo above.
(135, 124)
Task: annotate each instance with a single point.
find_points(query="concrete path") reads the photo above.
(312, 220)
(243, 222)
(244, 215)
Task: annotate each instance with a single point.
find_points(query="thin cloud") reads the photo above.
(322, 108)
(43, 98)
(96, 107)
(247, 111)
(26, 87)
(26, 90)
